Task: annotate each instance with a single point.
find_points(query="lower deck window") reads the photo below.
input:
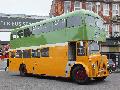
(26, 53)
(45, 52)
(12, 54)
(18, 54)
(36, 53)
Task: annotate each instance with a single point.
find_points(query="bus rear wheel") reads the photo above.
(23, 71)
(79, 75)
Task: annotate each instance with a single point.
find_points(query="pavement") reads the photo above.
(13, 81)
(3, 65)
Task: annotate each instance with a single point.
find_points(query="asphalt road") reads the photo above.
(12, 81)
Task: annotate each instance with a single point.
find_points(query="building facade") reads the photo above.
(109, 10)
(11, 21)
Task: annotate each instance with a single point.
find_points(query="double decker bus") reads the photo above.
(64, 46)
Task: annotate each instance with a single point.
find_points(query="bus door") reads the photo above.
(72, 51)
(71, 57)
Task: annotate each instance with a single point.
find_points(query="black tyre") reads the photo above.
(23, 71)
(100, 78)
(79, 75)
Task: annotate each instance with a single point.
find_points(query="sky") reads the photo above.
(28, 7)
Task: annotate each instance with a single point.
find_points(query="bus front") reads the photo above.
(96, 35)
(89, 63)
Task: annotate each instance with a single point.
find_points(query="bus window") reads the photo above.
(49, 27)
(44, 28)
(74, 21)
(44, 52)
(26, 53)
(99, 23)
(80, 49)
(12, 55)
(90, 20)
(36, 53)
(59, 24)
(18, 54)
(93, 47)
(37, 30)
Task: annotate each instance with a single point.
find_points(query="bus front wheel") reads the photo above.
(79, 75)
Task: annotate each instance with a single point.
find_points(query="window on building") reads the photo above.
(45, 52)
(106, 9)
(115, 9)
(74, 21)
(115, 30)
(89, 6)
(98, 7)
(107, 30)
(67, 6)
(77, 5)
(26, 53)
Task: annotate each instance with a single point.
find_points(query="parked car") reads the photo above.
(112, 66)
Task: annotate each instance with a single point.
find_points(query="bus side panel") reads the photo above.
(14, 64)
(58, 61)
(29, 64)
(55, 64)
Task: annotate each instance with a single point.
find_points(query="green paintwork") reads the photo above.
(82, 32)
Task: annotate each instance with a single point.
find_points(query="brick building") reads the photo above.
(109, 10)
